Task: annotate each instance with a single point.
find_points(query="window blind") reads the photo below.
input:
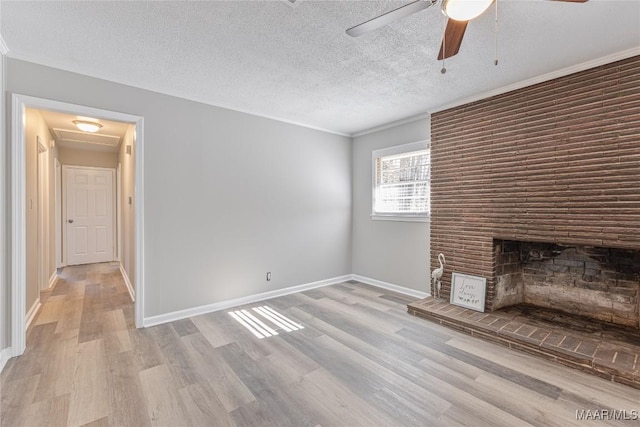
(402, 183)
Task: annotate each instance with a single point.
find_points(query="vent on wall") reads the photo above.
(91, 138)
(293, 3)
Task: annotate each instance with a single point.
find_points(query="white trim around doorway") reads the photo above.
(19, 104)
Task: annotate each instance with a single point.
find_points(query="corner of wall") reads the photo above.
(351, 178)
(385, 251)
(4, 206)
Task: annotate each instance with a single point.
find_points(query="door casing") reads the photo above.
(43, 213)
(19, 104)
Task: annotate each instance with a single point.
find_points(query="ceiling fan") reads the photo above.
(458, 12)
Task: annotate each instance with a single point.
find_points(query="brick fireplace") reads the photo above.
(599, 283)
(538, 191)
(548, 176)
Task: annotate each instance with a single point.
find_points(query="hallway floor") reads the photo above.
(360, 360)
(73, 345)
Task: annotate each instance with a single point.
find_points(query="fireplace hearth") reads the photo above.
(603, 349)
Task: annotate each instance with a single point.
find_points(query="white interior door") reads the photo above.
(89, 216)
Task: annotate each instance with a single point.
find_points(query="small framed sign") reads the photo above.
(468, 291)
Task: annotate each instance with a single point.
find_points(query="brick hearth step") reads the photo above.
(607, 351)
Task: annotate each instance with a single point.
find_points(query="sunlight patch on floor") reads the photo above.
(259, 328)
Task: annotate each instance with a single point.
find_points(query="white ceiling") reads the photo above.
(297, 64)
(67, 135)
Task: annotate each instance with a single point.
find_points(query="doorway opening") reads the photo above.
(87, 189)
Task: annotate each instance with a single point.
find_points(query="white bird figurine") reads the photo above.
(436, 274)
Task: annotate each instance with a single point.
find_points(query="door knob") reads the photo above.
(70, 221)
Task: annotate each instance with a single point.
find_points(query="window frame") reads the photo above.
(390, 151)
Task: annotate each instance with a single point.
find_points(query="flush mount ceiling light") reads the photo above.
(87, 126)
(464, 10)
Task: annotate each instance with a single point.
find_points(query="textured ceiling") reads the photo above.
(297, 64)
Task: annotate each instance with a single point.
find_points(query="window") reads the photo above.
(401, 185)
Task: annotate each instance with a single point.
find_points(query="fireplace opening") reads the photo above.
(593, 282)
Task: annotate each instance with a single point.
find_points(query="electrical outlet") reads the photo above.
(268, 276)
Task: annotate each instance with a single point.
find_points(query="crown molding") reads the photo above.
(543, 78)
(177, 94)
(4, 49)
(395, 123)
(499, 91)
(519, 85)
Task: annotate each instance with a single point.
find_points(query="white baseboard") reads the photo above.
(31, 314)
(223, 305)
(53, 279)
(5, 355)
(132, 292)
(390, 286)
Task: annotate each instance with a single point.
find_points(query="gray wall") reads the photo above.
(390, 251)
(228, 196)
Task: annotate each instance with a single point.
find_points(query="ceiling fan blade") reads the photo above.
(389, 17)
(452, 40)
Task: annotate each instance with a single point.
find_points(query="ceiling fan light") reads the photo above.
(464, 10)
(87, 126)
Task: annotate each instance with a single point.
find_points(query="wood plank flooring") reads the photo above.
(360, 360)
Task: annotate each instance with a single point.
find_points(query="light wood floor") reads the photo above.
(360, 360)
